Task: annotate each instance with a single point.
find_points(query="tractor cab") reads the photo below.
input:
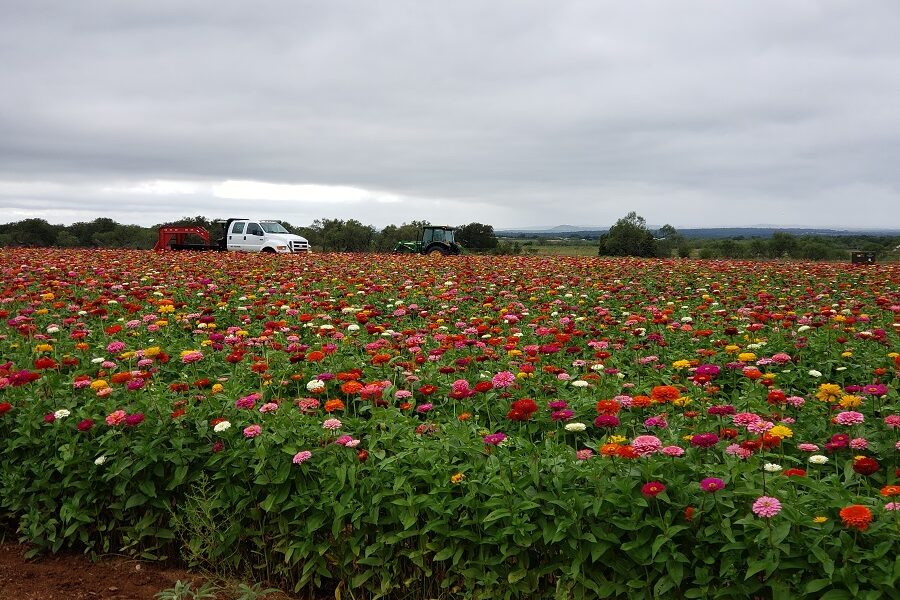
(435, 239)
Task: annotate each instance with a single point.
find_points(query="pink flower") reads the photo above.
(268, 407)
(503, 379)
(584, 454)
(332, 424)
(301, 457)
(645, 445)
(712, 484)
(191, 357)
(849, 417)
(892, 506)
(115, 417)
(766, 507)
(807, 447)
(674, 451)
(859, 443)
(115, 347)
(494, 439)
(251, 431)
(892, 421)
(760, 426)
(745, 418)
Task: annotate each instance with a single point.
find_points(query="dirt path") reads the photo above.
(75, 577)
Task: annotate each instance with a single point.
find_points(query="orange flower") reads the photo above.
(315, 356)
(610, 449)
(464, 416)
(351, 387)
(664, 393)
(890, 490)
(120, 377)
(856, 516)
(607, 407)
(641, 402)
(333, 405)
(380, 359)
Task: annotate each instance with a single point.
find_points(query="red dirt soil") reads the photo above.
(75, 577)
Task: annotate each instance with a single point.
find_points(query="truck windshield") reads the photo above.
(273, 228)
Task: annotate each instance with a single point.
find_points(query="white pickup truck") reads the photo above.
(254, 235)
(241, 235)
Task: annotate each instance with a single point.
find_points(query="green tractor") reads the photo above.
(436, 239)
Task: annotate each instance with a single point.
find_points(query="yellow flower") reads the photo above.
(746, 356)
(457, 478)
(850, 401)
(893, 354)
(782, 431)
(151, 352)
(828, 392)
(217, 388)
(846, 354)
(241, 333)
(616, 439)
(681, 364)
(166, 308)
(514, 353)
(162, 323)
(819, 519)
(48, 296)
(99, 384)
(522, 375)
(43, 348)
(41, 311)
(769, 376)
(732, 348)
(682, 401)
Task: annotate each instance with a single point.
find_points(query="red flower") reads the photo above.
(5, 407)
(85, 425)
(522, 410)
(794, 472)
(865, 465)
(652, 488)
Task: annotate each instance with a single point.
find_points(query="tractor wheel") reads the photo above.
(434, 251)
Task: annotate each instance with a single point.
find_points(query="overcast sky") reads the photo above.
(513, 113)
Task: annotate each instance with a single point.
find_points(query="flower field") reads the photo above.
(474, 426)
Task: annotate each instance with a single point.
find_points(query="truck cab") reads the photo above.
(257, 235)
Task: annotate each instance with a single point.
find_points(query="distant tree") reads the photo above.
(336, 235)
(386, 240)
(782, 245)
(669, 242)
(628, 237)
(66, 239)
(30, 232)
(477, 236)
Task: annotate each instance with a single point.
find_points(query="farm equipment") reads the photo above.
(241, 235)
(435, 239)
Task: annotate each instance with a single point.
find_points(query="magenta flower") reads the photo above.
(712, 484)
(251, 431)
(494, 439)
(134, 420)
(704, 440)
(607, 421)
(766, 507)
(652, 488)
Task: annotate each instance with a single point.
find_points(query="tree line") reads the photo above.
(630, 236)
(327, 235)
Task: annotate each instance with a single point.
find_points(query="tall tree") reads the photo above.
(628, 237)
(477, 236)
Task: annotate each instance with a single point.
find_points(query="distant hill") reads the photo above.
(699, 232)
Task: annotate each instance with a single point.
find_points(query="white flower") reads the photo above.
(97, 361)
(315, 385)
(772, 467)
(818, 459)
(52, 329)
(221, 426)
(579, 383)
(575, 426)
(62, 413)
(352, 327)
(597, 367)
(815, 373)
(100, 460)
(803, 328)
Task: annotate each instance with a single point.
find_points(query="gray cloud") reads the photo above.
(513, 113)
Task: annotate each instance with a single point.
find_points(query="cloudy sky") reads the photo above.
(514, 113)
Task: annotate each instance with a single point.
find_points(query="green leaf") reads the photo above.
(517, 575)
(444, 554)
(836, 595)
(816, 584)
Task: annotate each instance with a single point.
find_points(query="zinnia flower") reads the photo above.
(646, 445)
(766, 507)
(856, 516)
(652, 488)
(712, 484)
(301, 457)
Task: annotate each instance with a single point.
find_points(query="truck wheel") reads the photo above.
(268, 250)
